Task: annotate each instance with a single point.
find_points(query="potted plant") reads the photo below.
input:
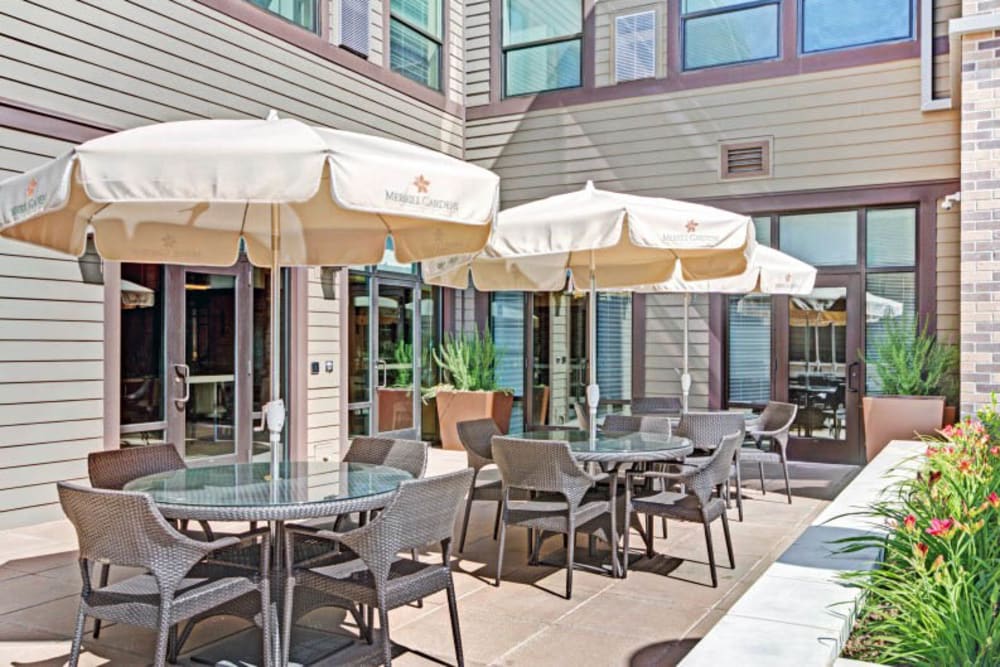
(916, 373)
(469, 365)
(395, 400)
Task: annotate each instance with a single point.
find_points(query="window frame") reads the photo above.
(507, 48)
(800, 30)
(729, 9)
(318, 6)
(440, 41)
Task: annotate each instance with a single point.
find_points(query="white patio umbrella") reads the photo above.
(606, 240)
(190, 192)
(769, 271)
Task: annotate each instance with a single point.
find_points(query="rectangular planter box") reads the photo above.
(458, 406)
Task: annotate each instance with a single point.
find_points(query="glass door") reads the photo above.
(210, 379)
(818, 367)
(397, 368)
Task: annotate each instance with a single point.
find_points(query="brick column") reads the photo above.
(980, 231)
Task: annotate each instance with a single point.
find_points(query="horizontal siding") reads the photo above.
(843, 128)
(665, 347)
(949, 275)
(323, 390)
(454, 74)
(944, 11)
(126, 64)
(477, 52)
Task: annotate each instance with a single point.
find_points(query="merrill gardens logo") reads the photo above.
(32, 202)
(421, 199)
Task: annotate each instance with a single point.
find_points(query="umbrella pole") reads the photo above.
(275, 409)
(593, 391)
(686, 374)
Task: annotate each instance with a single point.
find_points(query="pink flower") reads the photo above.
(965, 466)
(995, 451)
(910, 522)
(938, 562)
(993, 499)
(941, 527)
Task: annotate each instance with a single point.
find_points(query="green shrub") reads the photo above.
(402, 357)
(911, 362)
(469, 362)
(935, 598)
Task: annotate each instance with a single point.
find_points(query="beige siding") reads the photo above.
(477, 52)
(324, 389)
(379, 49)
(604, 43)
(454, 71)
(51, 360)
(665, 347)
(949, 275)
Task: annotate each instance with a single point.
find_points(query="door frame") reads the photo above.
(822, 449)
(377, 280)
(175, 344)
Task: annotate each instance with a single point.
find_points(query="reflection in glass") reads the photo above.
(821, 239)
(836, 24)
(749, 340)
(614, 346)
(526, 21)
(891, 237)
(414, 56)
(731, 37)
(817, 373)
(142, 349)
(890, 296)
(762, 229)
(430, 374)
(507, 329)
(545, 67)
(260, 281)
(358, 390)
(395, 365)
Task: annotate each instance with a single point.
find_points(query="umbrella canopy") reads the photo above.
(190, 192)
(605, 240)
(827, 306)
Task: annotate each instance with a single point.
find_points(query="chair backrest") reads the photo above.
(718, 468)
(637, 424)
(582, 415)
(408, 455)
(777, 416)
(546, 466)
(706, 429)
(476, 436)
(670, 405)
(421, 512)
(125, 528)
(115, 468)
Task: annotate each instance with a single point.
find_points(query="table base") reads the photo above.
(309, 647)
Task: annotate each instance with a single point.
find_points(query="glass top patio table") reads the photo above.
(611, 447)
(247, 491)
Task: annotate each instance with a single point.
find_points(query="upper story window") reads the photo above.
(838, 24)
(635, 46)
(724, 32)
(542, 45)
(300, 12)
(416, 36)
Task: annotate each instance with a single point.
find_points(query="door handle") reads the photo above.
(853, 371)
(382, 365)
(183, 374)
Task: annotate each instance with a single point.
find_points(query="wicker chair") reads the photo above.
(126, 529)
(775, 423)
(697, 503)
(657, 405)
(408, 455)
(476, 436)
(561, 503)
(637, 424)
(705, 430)
(421, 512)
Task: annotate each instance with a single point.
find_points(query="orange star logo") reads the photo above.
(32, 186)
(788, 277)
(422, 184)
(691, 226)
(168, 241)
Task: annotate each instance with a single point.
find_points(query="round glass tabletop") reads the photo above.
(250, 485)
(611, 446)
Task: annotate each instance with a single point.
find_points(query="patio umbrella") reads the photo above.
(769, 271)
(191, 192)
(604, 240)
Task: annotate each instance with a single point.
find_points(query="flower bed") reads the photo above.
(936, 598)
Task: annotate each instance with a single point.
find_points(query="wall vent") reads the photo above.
(749, 159)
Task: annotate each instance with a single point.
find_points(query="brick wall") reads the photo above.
(980, 226)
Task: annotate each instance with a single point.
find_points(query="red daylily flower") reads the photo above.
(920, 550)
(965, 466)
(941, 527)
(910, 522)
(993, 499)
(995, 451)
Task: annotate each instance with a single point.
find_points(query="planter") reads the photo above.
(395, 409)
(429, 420)
(459, 406)
(890, 418)
(950, 415)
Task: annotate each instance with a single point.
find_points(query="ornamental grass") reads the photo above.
(935, 598)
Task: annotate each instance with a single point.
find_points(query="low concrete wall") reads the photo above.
(798, 613)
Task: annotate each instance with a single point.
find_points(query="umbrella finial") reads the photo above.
(589, 185)
(272, 115)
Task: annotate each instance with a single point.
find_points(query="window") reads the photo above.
(635, 46)
(723, 32)
(614, 346)
(542, 45)
(352, 29)
(300, 12)
(821, 239)
(838, 24)
(416, 34)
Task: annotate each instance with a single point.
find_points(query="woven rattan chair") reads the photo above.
(637, 424)
(705, 430)
(126, 529)
(476, 436)
(547, 470)
(657, 405)
(422, 512)
(697, 503)
(408, 455)
(775, 423)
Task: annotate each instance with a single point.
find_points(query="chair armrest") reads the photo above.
(320, 533)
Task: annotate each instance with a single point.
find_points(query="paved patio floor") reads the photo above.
(652, 618)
